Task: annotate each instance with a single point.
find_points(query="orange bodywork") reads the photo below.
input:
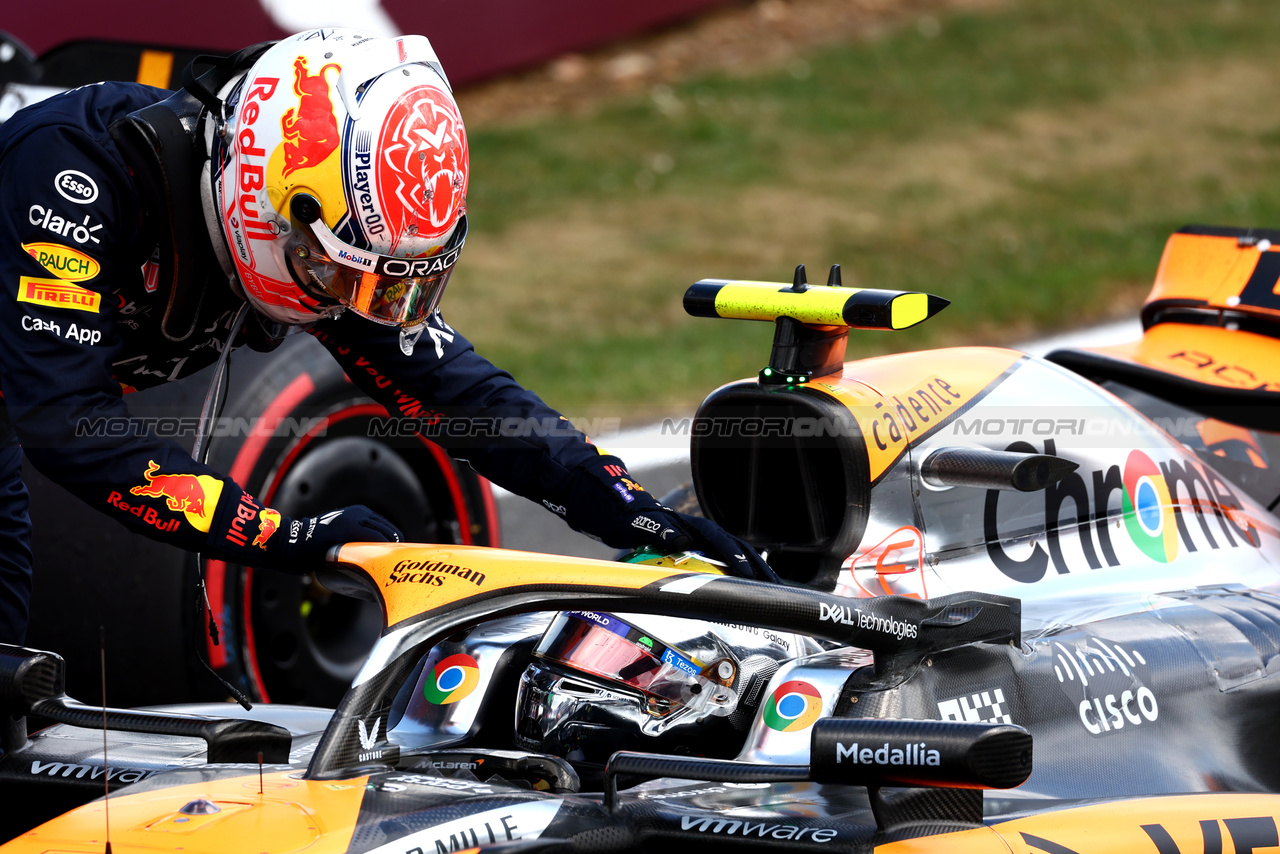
(1212, 270)
(414, 579)
(1205, 354)
(1224, 440)
(289, 815)
(900, 399)
(1189, 822)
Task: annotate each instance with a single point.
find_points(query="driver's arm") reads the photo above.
(511, 437)
(58, 342)
(466, 404)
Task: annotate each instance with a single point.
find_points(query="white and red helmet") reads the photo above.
(338, 179)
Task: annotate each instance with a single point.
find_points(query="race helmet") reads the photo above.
(337, 178)
(601, 682)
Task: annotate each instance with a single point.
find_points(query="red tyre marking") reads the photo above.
(285, 402)
(490, 512)
(455, 489)
(317, 429)
(250, 644)
(215, 575)
(443, 461)
(247, 457)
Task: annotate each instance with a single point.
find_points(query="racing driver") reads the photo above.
(318, 182)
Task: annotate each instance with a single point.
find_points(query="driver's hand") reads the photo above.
(304, 543)
(672, 532)
(605, 502)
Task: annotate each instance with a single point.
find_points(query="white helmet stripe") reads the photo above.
(382, 56)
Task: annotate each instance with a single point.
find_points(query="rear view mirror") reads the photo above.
(950, 754)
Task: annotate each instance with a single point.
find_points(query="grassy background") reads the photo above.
(1027, 163)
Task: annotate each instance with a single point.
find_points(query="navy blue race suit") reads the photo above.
(79, 328)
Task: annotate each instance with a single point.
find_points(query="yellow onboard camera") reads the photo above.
(813, 321)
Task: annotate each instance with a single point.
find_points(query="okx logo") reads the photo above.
(1148, 509)
(983, 707)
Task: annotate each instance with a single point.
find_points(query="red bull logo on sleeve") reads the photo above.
(246, 513)
(268, 524)
(194, 495)
(311, 131)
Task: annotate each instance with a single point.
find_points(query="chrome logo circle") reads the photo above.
(793, 706)
(453, 678)
(1148, 509)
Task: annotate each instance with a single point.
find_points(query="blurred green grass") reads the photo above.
(1027, 163)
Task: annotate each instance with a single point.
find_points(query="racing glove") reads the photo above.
(307, 541)
(259, 536)
(625, 516)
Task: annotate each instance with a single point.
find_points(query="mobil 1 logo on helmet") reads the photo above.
(75, 186)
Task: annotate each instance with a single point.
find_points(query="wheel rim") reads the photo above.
(305, 635)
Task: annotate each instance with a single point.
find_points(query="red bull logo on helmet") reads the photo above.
(251, 169)
(244, 176)
(311, 131)
(385, 155)
(194, 495)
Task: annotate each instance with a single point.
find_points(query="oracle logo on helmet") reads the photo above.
(416, 267)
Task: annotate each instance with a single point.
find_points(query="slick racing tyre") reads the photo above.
(282, 638)
(287, 638)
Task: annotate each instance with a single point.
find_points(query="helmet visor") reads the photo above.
(384, 288)
(604, 646)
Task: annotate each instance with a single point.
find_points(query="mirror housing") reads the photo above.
(950, 754)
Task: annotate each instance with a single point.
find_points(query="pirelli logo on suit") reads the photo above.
(56, 293)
